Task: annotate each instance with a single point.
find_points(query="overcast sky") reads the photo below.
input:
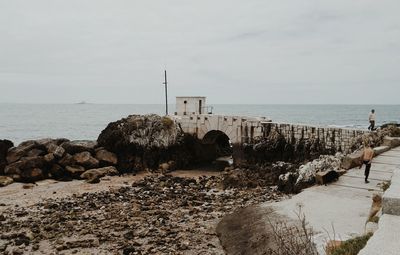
(232, 51)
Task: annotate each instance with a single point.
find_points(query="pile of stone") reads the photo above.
(322, 170)
(157, 215)
(252, 176)
(59, 159)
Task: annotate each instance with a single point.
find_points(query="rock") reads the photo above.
(56, 172)
(28, 186)
(106, 158)
(326, 177)
(74, 171)
(352, 160)
(35, 152)
(29, 169)
(33, 174)
(5, 145)
(380, 149)
(78, 146)
(67, 160)
(94, 175)
(86, 160)
(146, 141)
(5, 180)
(392, 142)
(49, 158)
(57, 151)
(307, 174)
(16, 153)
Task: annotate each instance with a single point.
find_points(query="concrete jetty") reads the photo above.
(340, 210)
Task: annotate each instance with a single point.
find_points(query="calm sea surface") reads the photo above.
(19, 122)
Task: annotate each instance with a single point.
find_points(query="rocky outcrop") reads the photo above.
(4, 146)
(304, 176)
(255, 175)
(60, 159)
(146, 141)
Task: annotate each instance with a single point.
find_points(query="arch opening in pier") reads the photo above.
(218, 148)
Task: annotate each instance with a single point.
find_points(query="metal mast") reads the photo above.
(166, 92)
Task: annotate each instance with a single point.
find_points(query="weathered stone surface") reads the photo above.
(146, 141)
(106, 158)
(391, 198)
(392, 142)
(380, 149)
(352, 160)
(5, 180)
(75, 171)
(49, 158)
(78, 146)
(32, 174)
(93, 175)
(306, 175)
(67, 160)
(86, 160)
(15, 153)
(57, 172)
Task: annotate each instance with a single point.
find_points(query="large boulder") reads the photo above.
(78, 146)
(352, 160)
(106, 158)
(86, 160)
(146, 141)
(5, 145)
(28, 169)
(16, 153)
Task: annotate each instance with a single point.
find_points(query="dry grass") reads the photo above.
(352, 246)
(293, 239)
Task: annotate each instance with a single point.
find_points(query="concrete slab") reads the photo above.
(391, 198)
(392, 152)
(381, 149)
(385, 241)
(346, 209)
(373, 175)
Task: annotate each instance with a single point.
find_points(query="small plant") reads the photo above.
(352, 246)
(293, 239)
(167, 122)
(374, 219)
(385, 185)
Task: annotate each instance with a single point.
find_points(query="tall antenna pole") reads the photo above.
(166, 92)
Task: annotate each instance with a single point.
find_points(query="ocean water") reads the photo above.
(20, 122)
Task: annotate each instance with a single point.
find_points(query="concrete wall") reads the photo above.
(190, 105)
(241, 129)
(238, 129)
(336, 138)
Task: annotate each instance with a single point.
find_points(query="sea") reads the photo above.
(20, 122)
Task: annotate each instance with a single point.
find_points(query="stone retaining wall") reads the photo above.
(338, 139)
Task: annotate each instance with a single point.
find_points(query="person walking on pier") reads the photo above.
(368, 154)
(371, 119)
